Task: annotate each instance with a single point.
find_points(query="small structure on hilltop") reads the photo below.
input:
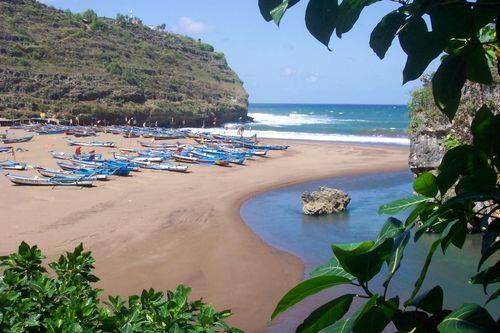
(325, 200)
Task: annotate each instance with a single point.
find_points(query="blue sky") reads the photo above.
(278, 65)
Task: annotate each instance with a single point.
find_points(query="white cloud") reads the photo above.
(287, 71)
(187, 25)
(312, 77)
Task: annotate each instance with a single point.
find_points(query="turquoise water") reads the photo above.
(331, 122)
(277, 218)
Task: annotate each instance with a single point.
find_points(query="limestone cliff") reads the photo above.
(431, 133)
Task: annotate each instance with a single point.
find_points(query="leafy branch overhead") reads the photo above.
(455, 35)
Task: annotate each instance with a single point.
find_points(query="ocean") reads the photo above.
(385, 124)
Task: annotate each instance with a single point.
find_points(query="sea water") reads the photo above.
(359, 123)
(370, 124)
(277, 218)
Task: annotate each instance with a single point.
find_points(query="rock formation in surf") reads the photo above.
(325, 200)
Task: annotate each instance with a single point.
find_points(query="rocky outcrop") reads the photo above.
(324, 201)
(431, 133)
(68, 65)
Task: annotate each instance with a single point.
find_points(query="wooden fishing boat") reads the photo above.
(157, 145)
(70, 174)
(5, 149)
(38, 181)
(164, 166)
(17, 140)
(108, 144)
(137, 159)
(197, 160)
(11, 165)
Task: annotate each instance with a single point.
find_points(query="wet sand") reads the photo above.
(158, 229)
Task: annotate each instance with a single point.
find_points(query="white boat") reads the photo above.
(11, 165)
(38, 181)
(164, 167)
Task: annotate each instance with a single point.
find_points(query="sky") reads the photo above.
(278, 65)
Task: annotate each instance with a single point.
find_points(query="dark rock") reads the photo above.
(324, 201)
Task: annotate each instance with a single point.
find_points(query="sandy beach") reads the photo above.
(158, 229)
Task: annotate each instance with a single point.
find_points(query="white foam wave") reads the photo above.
(311, 136)
(292, 119)
(298, 119)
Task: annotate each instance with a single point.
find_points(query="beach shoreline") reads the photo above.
(158, 230)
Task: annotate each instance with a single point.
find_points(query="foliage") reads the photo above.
(31, 300)
(465, 31)
(450, 142)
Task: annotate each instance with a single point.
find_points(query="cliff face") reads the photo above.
(431, 133)
(69, 65)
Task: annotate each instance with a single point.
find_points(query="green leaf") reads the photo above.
(326, 314)
(467, 319)
(422, 210)
(493, 296)
(397, 255)
(447, 84)
(384, 33)
(461, 160)
(366, 260)
(490, 245)
(484, 127)
(278, 12)
(377, 317)
(266, 6)
(348, 14)
(332, 267)
(391, 229)
(420, 45)
(321, 16)
(478, 69)
(430, 301)
(452, 21)
(305, 289)
(487, 276)
(428, 259)
(425, 184)
(346, 326)
(399, 205)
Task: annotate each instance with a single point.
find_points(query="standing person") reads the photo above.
(241, 129)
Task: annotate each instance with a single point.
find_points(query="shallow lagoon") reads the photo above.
(276, 216)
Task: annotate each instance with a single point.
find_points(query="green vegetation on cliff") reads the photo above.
(70, 65)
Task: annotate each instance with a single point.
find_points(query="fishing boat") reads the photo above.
(5, 149)
(115, 167)
(11, 165)
(108, 144)
(122, 157)
(39, 181)
(17, 140)
(89, 175)
(68, 156)
(196, 160)
(164, 166)
(157, 145)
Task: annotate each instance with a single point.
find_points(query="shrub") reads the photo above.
(114, 68)
(219, 56)
(31, 300)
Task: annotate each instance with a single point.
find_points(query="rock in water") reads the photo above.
(325, 200)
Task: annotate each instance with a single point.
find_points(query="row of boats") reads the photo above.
(83, 169)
